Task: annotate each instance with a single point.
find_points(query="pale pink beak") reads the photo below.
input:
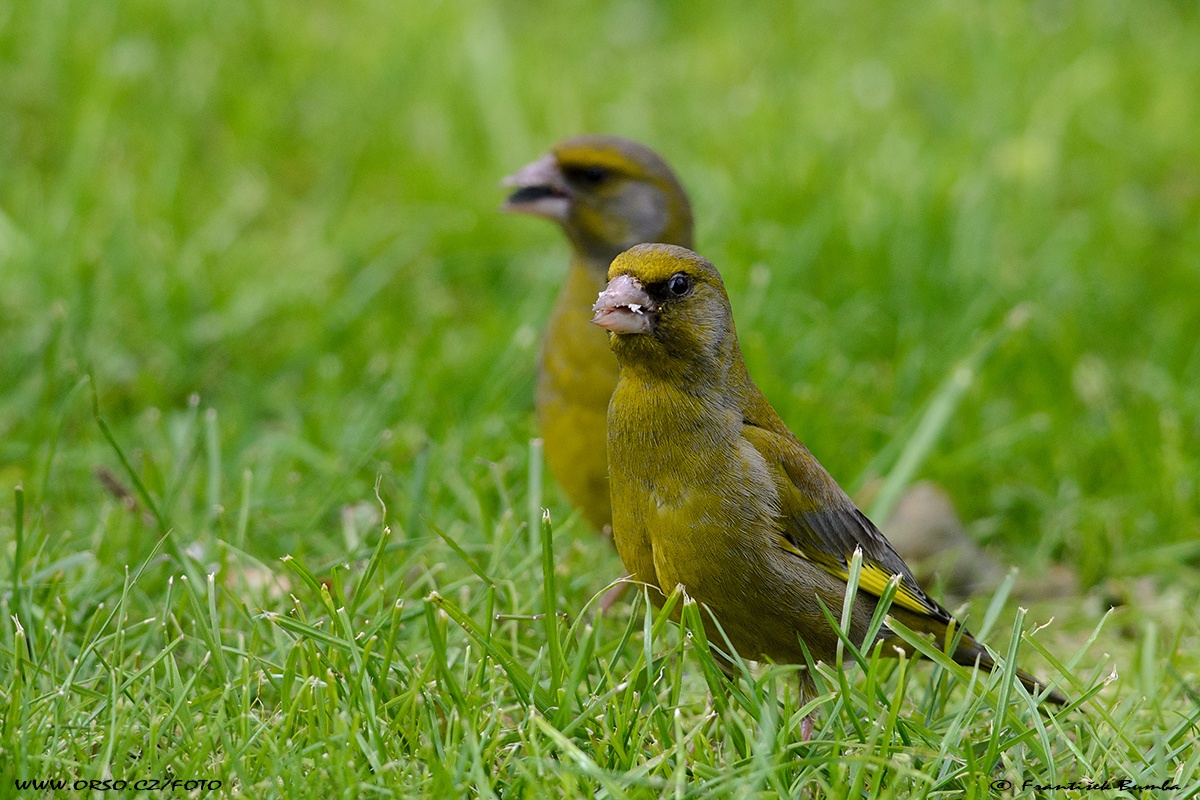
(624, 307)
(541, 190)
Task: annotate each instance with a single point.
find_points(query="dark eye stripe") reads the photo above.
(587, 176)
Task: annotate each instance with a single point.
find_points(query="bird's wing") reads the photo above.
(822, 525)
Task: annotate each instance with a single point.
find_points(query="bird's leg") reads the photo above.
(806, 689)
(806, 728)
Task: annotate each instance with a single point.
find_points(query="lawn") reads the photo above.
(271, 517)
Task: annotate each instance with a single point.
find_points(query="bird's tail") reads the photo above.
(970, 652)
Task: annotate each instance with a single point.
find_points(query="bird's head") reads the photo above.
(668, 313)
(606, 192)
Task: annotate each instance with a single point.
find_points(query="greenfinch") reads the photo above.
(607, 194)
(711, 491)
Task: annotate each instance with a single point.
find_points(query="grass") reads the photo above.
(267, 350)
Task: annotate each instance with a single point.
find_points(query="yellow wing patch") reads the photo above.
(874, 579)
(871, 578)
(787, 545)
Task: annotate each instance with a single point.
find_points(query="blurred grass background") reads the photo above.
(268, 230)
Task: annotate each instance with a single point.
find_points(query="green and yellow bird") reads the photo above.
(712, 492)
(607, 194)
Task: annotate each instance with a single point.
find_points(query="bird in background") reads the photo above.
(607, 194)
(713, 493)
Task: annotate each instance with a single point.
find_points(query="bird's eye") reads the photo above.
(679, 284)
(588, 176)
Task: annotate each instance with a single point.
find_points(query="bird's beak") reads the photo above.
(541, 190)
(624, 307)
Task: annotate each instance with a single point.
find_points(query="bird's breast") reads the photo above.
(691, 498)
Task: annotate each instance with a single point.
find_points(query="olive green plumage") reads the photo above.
(607, 194)
(712, 492)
